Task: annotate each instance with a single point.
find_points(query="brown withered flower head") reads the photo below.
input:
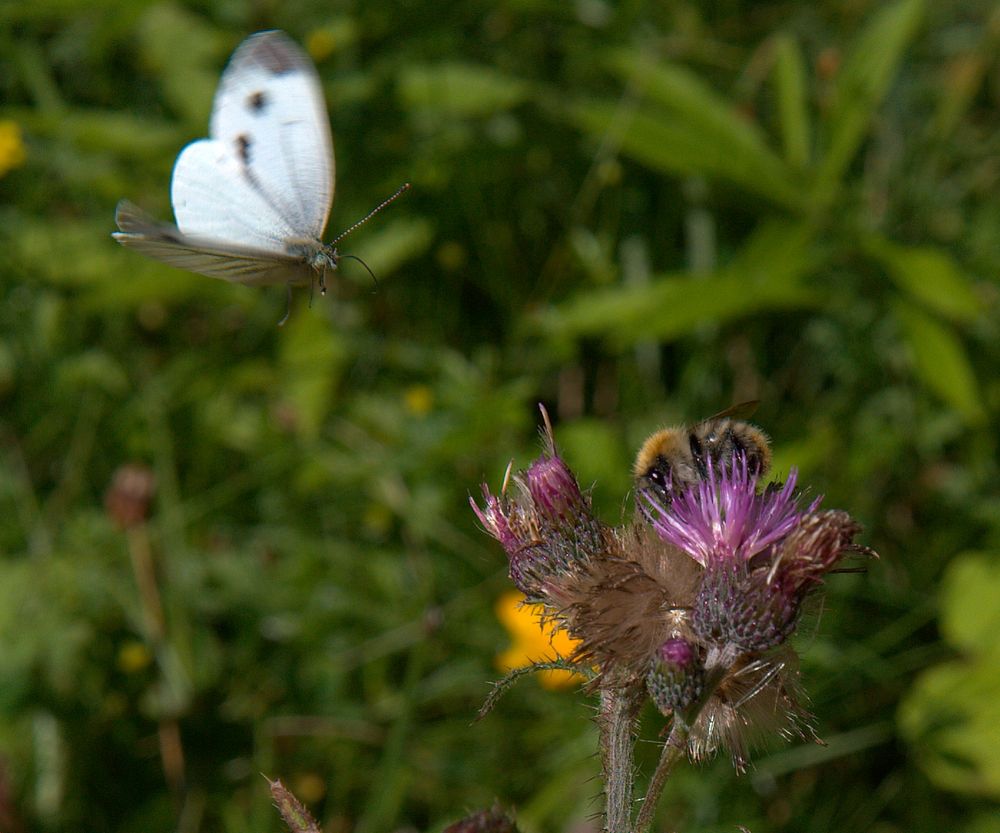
(692, 602)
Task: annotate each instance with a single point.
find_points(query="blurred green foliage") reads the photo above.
(635, 213)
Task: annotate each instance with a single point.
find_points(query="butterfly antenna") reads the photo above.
(359, 260)
(399, 192)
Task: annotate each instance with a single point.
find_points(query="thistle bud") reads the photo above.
(560, 506)
(742, 609)
(130, 495)
(676, 677)
(548, 528)
(493, 820)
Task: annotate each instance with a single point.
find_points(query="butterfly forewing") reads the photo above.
(269, 113)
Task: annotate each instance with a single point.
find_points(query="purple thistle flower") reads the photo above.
(547, 528)
(512, 526)
(724, 519)
(494, 519)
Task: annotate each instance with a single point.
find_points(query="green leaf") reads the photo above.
(952, 719)
(665, 143)
(186, 54)
(790, 85)
(970, 616)
(940, 361)
(391, 245)
(862, 84)
(766, 276)
(952, 714)
(460, 89)
(97, 131)
(928, 275)
(686, 127)
(312, 356)
(595, 450)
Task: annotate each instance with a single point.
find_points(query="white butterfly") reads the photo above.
(251, 201)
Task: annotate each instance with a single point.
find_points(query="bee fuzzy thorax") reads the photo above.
(667, 451)
(676, 458)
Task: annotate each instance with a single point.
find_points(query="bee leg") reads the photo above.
(288, 305)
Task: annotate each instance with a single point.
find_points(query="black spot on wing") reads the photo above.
(256, 102)
(243, 149)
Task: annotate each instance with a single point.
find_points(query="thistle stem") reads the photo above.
(676, 744)
(672, 751)
(616, 722)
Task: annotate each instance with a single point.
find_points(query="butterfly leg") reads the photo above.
(288, 305)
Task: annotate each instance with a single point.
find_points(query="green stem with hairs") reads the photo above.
(616, 720)
(676, 744)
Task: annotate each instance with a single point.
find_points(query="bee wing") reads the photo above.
(214, 258)
(741, 410)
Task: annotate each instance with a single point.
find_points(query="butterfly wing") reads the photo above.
(237, 264)
(266, 173)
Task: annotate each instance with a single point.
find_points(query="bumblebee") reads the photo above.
(673, 459)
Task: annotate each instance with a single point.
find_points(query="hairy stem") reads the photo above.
(676, 744)
(617, 722)
(673, 749)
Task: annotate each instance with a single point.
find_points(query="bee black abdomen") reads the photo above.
(698, 455)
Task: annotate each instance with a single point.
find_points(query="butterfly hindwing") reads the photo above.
(215, 196)
(168, 244)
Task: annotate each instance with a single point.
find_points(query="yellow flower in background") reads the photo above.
(133, 657)
(12, 153)
(534, 641)
(320, 44)
(419, 399)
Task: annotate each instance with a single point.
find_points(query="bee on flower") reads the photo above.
(691, 604)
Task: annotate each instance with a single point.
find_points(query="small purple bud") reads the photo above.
(562, 511)
(555, 492)
(676, 678)
(678, 652)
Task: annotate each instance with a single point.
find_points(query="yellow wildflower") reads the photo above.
(12, 153)
(419, 399)
(533, 641)
(320, 44)
(133, 656)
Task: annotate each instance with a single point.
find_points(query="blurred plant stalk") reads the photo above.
(128, 502)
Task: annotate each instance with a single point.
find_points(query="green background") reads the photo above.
(635, 213)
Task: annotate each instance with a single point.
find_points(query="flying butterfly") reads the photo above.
(252, 200)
